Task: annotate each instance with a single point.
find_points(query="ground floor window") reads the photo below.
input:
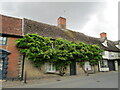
(103, 63)
(50, 67)
(87, 66)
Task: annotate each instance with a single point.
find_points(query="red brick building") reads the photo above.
(11, 30)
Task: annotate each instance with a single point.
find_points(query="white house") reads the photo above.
(111, 55)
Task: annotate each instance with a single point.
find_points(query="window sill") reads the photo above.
(50, 72)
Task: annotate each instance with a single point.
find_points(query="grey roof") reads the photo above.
(54, 32)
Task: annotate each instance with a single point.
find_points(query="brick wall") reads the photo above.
(11, 25)
(14, 58)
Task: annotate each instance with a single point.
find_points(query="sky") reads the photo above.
(90, 17)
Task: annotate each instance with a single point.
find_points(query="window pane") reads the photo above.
(50, 67)
(3, 40)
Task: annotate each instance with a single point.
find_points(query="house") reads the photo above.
(111, 56)
(14, 28)
(11, 30)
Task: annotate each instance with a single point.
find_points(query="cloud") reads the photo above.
(103, 21)
(90, 18)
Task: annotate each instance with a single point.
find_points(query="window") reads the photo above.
(118, 54)
(50, 67)
(112, 54)
(87, 66)
(3, 40)
(103, 63)
(105, 43)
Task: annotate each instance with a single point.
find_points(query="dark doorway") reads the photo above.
(73, 68)
(118, 62)
(3, 63)
(111, 65)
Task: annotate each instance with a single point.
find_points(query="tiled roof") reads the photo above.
(54, 32)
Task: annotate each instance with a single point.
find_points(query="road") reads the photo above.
(99, 80)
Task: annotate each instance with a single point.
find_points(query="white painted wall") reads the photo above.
(106, 54)
(111, 55)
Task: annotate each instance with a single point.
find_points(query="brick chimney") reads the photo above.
(103, 35)
(62, 22)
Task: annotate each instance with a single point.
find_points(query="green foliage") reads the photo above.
(63, 52)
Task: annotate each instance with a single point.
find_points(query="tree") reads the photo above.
(95, 56)
(60, 52)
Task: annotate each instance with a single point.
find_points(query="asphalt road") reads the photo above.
(100, 80)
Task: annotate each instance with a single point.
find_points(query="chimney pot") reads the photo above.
(103, 35)
(62, 22)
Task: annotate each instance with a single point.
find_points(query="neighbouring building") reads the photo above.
(11, 30)
(14, 28)
(111, 54)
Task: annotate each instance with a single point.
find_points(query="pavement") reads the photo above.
(98, 80)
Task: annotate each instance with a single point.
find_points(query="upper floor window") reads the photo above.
(118, 54)
(112, 54)
(105, 43)
(3, 40)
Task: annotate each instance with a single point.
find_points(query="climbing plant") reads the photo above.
(60, 52)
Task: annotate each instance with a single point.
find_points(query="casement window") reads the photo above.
(3, 40)
(50, 67)
(87, 66)
(118, 54)
(103, 63)
(112, 54)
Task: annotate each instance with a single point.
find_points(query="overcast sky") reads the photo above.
(90, 18)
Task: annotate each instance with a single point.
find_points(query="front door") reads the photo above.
(73, 68)
(118, 62)
(111, 65)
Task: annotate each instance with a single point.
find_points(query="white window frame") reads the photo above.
(103, 64)
(111, 54)
(3, 40)
(87, 66)
(50, 67)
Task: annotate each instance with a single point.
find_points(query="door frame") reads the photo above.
(113, 63)
(4, 56)
(73, 68)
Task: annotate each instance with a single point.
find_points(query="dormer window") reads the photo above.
(105, 43)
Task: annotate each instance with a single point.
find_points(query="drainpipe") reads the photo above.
(23, 61)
